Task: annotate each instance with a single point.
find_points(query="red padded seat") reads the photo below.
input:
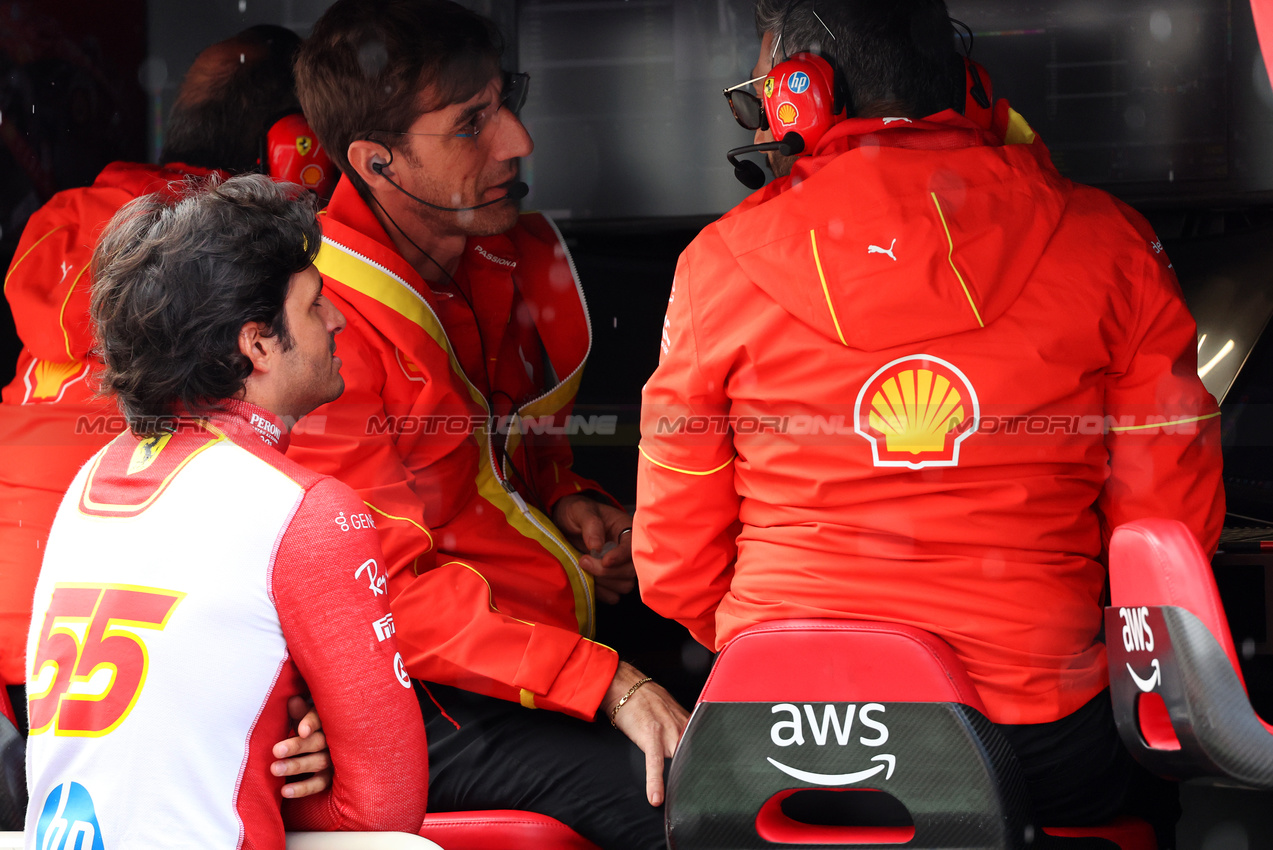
(1159, 562)
(1179, 697)
(501, 829)
(838, 660)
(776, 674)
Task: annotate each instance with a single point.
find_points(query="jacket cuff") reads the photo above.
(570, 673)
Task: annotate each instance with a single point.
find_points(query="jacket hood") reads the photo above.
(48, 284)
(896, 233)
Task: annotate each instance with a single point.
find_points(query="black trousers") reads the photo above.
(18, 699)
(487, 753)
(1078, 773)
(13, 786)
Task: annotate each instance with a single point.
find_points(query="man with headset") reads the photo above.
(913, 416)
(466, 340)
(51, 420)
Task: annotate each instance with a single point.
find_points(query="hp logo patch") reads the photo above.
(798, 82)
(68, 820)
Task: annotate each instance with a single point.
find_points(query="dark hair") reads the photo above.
(235, 89)
(900, 52)
(367, 62)
(175, 279)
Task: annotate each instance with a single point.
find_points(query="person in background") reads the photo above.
(51, 421)
(921, 289)
(217, 554)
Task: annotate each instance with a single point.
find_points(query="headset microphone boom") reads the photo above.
(748, 172)
(515, 192)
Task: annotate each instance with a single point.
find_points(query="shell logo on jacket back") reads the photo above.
(47, 381)
(915, 412)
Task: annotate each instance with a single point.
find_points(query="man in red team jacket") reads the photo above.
(466, 344)
(958, 372)
(51, 421)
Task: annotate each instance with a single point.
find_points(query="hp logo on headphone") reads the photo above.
(798, 82)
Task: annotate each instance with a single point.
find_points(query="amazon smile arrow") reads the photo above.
(1147, 685)
(833, 779)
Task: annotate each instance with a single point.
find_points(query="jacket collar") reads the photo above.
(942, 131)
(243, 420)
(349, 209)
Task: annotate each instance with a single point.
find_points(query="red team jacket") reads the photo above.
(486, 592)
(921, 380)
(50, 420)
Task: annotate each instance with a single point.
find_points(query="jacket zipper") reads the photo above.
(490, 436)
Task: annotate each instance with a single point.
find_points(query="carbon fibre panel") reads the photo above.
(1221, 737)
(951, 768)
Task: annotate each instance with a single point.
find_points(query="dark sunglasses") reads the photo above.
(748, 111)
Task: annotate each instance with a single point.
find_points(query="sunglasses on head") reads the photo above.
(748, 111)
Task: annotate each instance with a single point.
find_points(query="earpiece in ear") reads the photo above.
(378, 166)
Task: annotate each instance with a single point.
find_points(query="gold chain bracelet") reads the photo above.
(614, 712)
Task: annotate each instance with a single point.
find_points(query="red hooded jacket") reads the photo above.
(921, 380)
(51, 421)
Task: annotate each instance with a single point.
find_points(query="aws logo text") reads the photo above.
(830, 728)
(787, 732)
(1137, 635)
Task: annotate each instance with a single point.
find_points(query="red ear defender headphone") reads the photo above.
(802, 99)
(798, 104)
(799, 97)
(292, 153)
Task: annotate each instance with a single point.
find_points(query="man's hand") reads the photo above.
(651, 718)
(591, 525)
(305, 754)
